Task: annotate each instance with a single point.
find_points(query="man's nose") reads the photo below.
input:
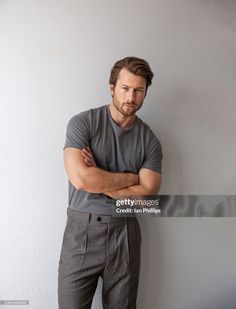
(130, 95)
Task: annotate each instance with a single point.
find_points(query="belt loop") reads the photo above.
(89, 219)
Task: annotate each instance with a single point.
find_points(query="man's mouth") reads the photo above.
(130, 105)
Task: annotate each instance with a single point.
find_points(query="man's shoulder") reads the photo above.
(88, 114)
(147, 131)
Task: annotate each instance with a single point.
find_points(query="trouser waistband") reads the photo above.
(88, 217)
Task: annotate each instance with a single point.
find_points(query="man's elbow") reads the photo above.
(79, 184)
(152, 190)
(85, 183)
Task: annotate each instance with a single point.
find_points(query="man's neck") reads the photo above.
(122, 121)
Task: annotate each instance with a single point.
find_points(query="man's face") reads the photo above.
(129, 92)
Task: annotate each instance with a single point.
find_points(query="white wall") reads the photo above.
(55, 59)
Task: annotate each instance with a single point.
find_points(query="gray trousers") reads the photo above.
(99, 245)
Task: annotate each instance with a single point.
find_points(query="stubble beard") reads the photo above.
(124, 113)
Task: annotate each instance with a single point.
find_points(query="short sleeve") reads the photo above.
(153, 155)
(77, 132)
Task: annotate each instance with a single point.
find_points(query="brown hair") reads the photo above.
(136, 66)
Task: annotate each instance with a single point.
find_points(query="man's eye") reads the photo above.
(125, 88)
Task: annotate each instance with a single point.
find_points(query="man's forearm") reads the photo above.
(133, 190)
(96, 180)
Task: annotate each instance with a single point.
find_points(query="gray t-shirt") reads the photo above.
(114, 149)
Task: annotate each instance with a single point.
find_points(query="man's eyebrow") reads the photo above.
(135, 88)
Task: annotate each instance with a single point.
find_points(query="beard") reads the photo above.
(127, 108)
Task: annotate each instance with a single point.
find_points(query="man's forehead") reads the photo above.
(126, 77)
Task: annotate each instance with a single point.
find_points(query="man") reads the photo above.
(109, 152)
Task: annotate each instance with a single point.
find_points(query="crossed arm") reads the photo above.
(84, 174)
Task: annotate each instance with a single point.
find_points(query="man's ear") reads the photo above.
(112, 89)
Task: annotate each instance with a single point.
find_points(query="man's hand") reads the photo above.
(88, 157)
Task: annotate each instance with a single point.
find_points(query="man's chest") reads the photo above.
(114, 152)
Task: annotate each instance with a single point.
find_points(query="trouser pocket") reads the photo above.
(75, 236)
